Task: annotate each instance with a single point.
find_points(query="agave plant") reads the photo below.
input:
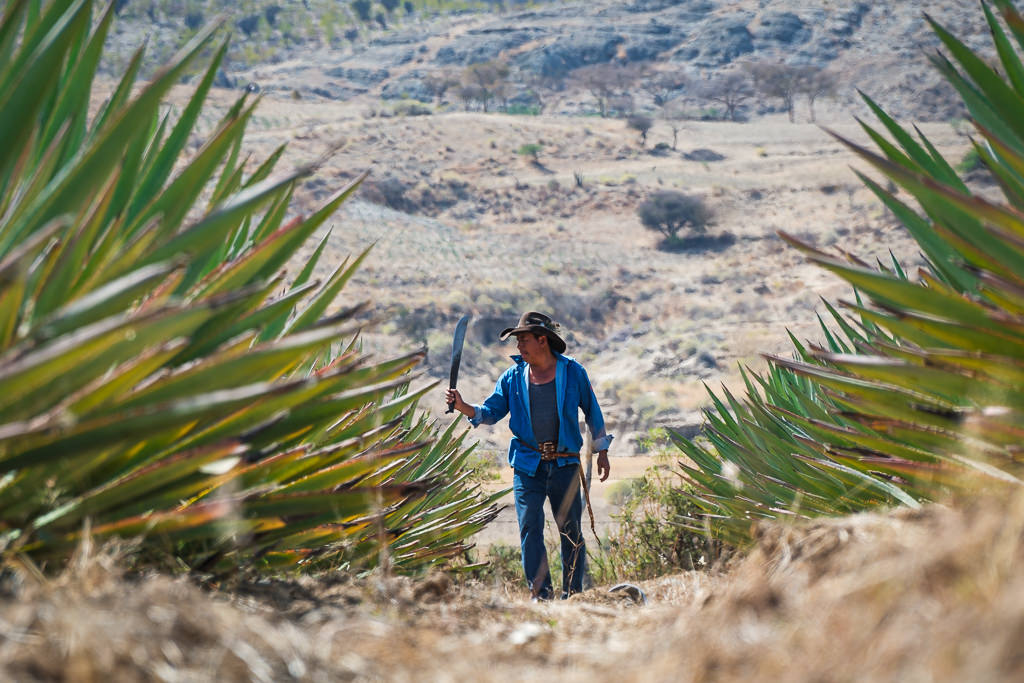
(919, 390)
(162, 378)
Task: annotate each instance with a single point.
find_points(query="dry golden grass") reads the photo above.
(934, 595)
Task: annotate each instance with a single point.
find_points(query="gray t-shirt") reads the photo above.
(544, 411)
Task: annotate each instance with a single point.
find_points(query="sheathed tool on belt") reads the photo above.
(457, 342)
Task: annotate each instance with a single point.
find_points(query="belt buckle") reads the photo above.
(548, 450)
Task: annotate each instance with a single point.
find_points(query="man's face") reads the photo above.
(531, 347)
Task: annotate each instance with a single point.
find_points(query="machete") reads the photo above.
(460, 338)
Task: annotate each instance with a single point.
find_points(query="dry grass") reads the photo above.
(935, 595)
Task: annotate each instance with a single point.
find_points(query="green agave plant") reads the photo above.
(161, 379)
(918, 391)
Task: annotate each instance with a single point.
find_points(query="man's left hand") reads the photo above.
(603, 468)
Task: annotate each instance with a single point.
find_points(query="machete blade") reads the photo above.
(457, 342)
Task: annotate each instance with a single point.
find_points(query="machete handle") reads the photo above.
(451, 408)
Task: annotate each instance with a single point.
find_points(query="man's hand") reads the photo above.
(603, 468)
(453, 396)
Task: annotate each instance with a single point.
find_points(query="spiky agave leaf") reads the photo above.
(920, 391)
(154, 384)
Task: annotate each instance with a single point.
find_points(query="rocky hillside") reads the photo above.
(881, 47)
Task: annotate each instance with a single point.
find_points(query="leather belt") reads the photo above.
(549, 451)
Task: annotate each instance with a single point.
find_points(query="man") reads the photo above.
(543, 394)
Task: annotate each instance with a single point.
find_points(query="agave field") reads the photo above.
(164, 379)
(917, 392)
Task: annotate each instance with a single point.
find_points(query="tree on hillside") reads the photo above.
(730, 90)
(817, 83)
(540, 86)
(669, 211)
(469, 93)
(439, 82)
(488, 80)
(664, 86)
(778, 81)
(390, 5)
(605, 81)
(641, 124)
(674, 114)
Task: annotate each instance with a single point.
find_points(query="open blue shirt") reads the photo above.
(573, 393)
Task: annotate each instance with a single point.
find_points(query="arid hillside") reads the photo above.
(464, 220)
(490, 233)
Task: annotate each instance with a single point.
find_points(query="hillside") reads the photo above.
(321, 50)
(460, 222)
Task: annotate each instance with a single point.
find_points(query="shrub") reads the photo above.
(530, 149)
(523, 110)
(412, 109)
(648, 542)
(641, 124)
(669, 211)
(970, 162)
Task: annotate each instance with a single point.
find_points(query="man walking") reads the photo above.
(543, 393)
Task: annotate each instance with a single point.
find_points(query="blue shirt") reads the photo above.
(573, 393)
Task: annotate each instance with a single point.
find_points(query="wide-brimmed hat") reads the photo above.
(537, 323)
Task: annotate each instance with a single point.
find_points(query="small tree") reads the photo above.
(390, 5)
(641, 124)
(471, 93)
(663, 86)
(730, 90)
(669, 211)
(540, 85)
(605, 81)
(490, 79)
(780, 81)
(438, 83)
(817, 83)
(532, 150)
(674, 114)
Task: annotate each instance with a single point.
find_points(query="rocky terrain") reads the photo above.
(879, 47)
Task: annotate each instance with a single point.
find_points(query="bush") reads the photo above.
(648, 542)
(412, 108)
(669, 211)
(523, 110)
(641, 124)
(530, 149)
(970, 162)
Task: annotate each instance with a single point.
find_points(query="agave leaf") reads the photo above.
(163, 161)
(997, 94)
(145, 482)
(223, 370)
(104, 302)
(73, 184)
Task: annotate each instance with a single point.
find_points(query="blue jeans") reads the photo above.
(561, 486)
